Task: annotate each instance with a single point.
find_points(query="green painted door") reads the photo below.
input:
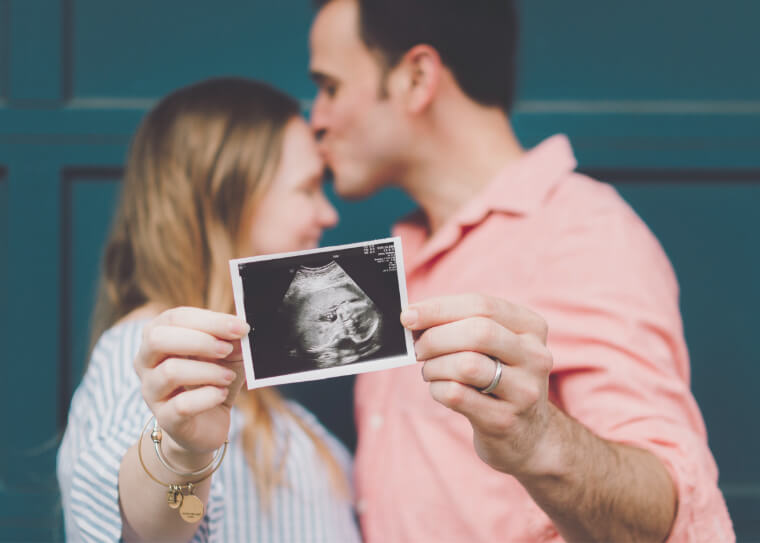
(660, 98)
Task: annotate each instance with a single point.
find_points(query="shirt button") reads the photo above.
(361, 506)
(375, 421)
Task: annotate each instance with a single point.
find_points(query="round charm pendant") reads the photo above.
(174, 497)
(191, 508)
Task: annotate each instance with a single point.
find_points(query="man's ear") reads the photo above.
(418, 76)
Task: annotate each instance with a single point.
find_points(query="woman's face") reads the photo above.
(294, 210)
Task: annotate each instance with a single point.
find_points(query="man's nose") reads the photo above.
(318, 117)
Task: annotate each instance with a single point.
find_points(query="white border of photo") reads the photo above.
(325, 373)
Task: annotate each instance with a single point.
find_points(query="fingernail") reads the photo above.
(409, 317)
(240, 328)
(230, 376)
(223, 348)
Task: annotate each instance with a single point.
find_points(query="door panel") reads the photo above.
(144, 49)
(661, 99)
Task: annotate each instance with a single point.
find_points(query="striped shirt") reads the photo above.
(106, 417)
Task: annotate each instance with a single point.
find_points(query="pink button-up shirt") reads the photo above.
(569, 248)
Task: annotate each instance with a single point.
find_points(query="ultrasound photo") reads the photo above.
(322, 313)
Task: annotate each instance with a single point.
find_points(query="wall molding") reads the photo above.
(674, 175)
(5, 49)
(650, 107)
(69, 177)
(67, 49)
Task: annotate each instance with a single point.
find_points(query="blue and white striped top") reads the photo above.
(106, 417)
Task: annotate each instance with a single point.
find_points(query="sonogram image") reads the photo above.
(332, 321)
(330, 311)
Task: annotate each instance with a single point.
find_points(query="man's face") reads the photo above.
(361, 133)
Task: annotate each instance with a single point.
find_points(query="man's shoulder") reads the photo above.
(592, 225)
(581, 202)
(581, 191)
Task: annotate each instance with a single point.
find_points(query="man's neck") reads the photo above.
(460, 157)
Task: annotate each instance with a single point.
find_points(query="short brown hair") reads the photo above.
(476, 40)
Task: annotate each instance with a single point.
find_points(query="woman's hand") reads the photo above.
(191, 368)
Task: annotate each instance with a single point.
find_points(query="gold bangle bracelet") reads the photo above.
(157, 435)
(181, 496)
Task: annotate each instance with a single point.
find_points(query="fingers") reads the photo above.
(188, 404)
(516, 385)
(160, 341)
(189, 332)
(176, 373)
(484, 411)
(477, 334)
(447, 309)
(237, 353)
(220, 325)
(468, 368)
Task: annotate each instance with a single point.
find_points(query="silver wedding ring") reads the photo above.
(496, 377)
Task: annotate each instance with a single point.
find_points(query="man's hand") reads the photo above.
(592, 489)
(461, 339)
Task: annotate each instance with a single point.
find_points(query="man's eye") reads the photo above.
(330, 90)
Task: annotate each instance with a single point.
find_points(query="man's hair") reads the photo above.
(476, 40)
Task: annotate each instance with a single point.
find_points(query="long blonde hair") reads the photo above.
(197, 165)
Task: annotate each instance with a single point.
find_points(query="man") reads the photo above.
(591, 435)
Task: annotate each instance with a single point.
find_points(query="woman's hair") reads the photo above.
(198, 164)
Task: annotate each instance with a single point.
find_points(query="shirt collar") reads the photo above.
(518, 189)
(522, 186)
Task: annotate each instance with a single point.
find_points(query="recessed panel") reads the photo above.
(3, 244)
(93, 202)
(144, 48)
(645, 50)
(709, 231)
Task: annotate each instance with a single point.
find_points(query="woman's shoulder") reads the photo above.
(109, 383)
(121, 339)
(110, 365)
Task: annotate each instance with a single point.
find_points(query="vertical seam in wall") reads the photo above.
(5, 48)
(64, 367)
(67, 58)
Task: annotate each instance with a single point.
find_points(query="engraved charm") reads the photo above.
(174, 497)
(191, 509)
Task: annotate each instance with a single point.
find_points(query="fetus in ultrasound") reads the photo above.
(331, 319)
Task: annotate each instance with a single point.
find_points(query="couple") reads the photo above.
(587, 430)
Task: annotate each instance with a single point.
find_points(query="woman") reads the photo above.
(217, 170)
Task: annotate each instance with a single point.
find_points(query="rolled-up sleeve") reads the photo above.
(610, 298)
(106, 417)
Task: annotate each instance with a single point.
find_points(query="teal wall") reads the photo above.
(660, 98)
